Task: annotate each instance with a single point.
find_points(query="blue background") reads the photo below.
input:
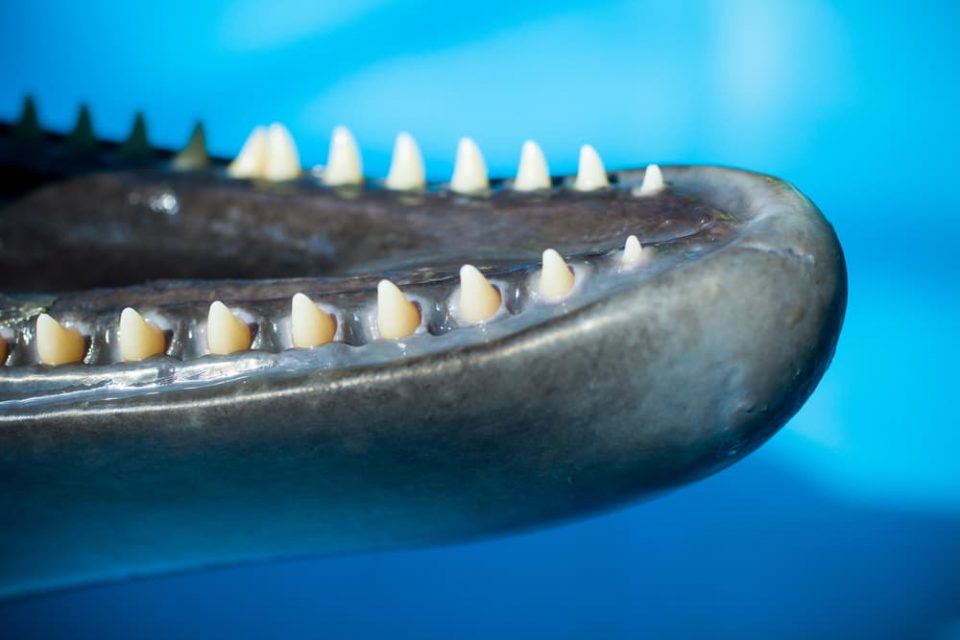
(846, 524)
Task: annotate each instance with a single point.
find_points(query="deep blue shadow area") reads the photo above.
(751, 553)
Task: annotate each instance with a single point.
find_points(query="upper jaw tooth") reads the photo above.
(139, 338)
(251, 160)
(269, 154)
(344, 166)
(226, 333)
(407, 172)
(470, 170)
(397, 317)
(533, 173)
(57, 344)
(556, 279)
(309, 326)
(591, 175)
(478, 300)
(282, 159)
(652, 182)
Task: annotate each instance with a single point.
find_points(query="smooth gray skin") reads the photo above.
(659, 385)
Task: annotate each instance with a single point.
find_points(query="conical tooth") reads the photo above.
(136, 147)
(556, 278)
(397, 317)
(194, 155)
(469, 170)
(590, 174)
(138, 338)
(283, 160)
(533, 174)
(479, 300)
(28, 129)
(3, 350)
(226, 333)
(82, 140)
(344, 166)
(57, 344)
(252, 159)
(632, 251)
(310, 326)
(406, 168)
(652, 182)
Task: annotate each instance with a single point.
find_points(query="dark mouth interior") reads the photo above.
(121, 229)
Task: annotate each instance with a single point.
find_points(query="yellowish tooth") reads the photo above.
(397, 317)
(283, 160)
(652, 182)
(344, 166)
(556, 278)
(533, 173)
(632, 252)
(310, 326)
(3, 350)
(226, 333)
(469, 170)
(406, 168)
(138, 338)
(479, 300)
(57, 344)
(252, 159)
(591, 174)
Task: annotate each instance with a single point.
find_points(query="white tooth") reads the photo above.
(590, 174)
(632, 251)
(57, 344)
(479, 300)
(406, 167)
(469, 171)
(138, 338)
(310, 326)
(226, 333)
(252, 159)
(344, 166)
(556, 278)
(397, 317)
(283, 161)
(652, 182)
(533, 173)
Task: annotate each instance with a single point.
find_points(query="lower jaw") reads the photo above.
(639, 383)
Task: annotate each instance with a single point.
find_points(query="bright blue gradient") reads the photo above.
(847, 524)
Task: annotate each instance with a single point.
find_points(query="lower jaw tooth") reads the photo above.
(226, 333)
(479, 300)
(309, 326)
(138, 338)
(556, 280)
(57, 344)
(397, 317)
